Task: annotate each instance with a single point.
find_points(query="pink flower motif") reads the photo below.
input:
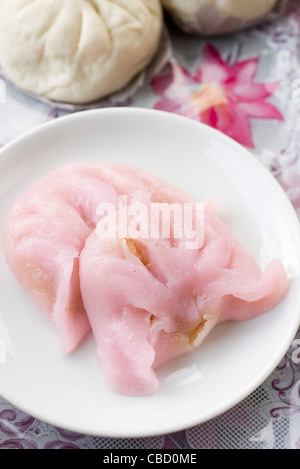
(218, 94)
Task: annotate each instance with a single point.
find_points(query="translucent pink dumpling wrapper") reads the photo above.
(152, 300)
(145, 300)
(46, 230)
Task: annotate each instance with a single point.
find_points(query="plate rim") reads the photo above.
(246, 154)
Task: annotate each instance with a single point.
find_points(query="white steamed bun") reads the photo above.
(218, 16)
(77, 51)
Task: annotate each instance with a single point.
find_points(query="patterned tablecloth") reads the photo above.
(248, 86)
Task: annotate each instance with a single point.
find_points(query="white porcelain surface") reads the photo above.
(69, 391)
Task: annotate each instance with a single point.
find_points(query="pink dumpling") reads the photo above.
(46, 230)
(146, 300)
(150, 301)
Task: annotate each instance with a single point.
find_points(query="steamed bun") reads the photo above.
(77, 51)
(218, 16)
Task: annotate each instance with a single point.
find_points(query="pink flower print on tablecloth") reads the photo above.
(223, 96)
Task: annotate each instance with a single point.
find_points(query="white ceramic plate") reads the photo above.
(69, 391)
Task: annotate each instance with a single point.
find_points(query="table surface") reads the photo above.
(259, 72)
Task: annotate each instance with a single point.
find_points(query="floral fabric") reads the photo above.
(219, 94)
